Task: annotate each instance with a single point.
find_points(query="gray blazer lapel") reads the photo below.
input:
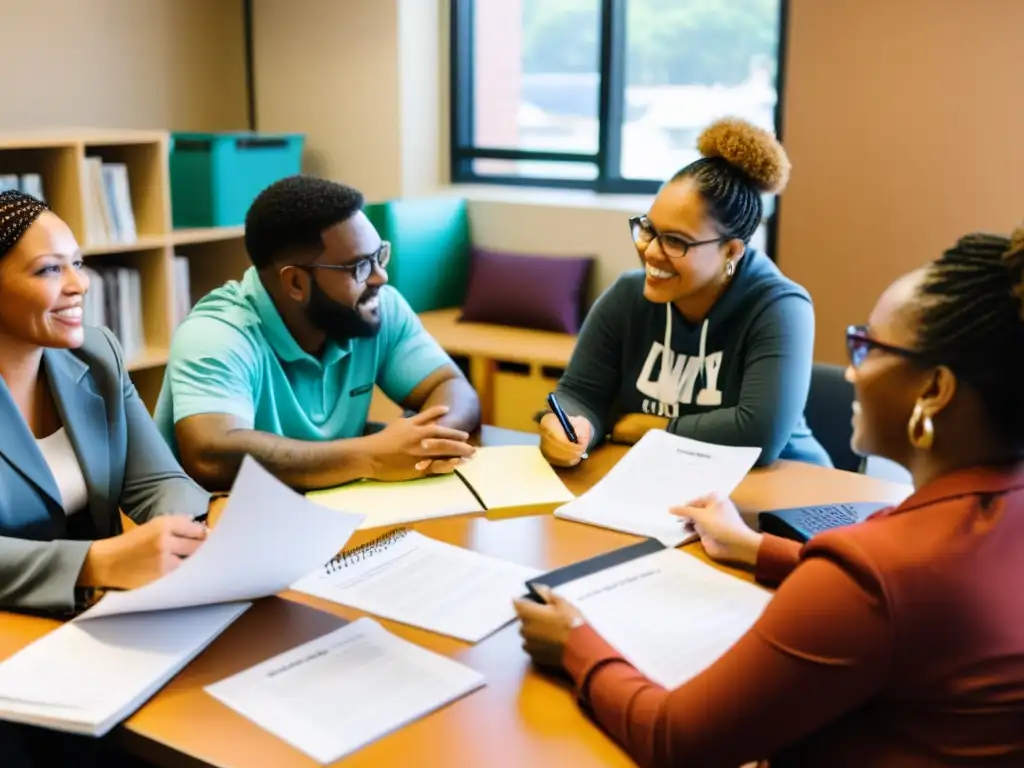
(18, 445)
(85, 418)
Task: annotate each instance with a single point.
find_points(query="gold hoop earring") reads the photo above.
(730, 269)
(921, 422)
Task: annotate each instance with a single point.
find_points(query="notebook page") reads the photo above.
(426, 583)
(513, 476)
(667, 613)
(400, 502)
(266, 537)
(86, 676)
(660, 472)
(340, 692)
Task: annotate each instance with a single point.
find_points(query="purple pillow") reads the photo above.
(547, 293)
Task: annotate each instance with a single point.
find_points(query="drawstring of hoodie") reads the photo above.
(668, 391)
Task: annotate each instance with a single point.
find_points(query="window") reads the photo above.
(607, 95)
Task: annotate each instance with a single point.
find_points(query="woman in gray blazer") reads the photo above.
(77, 447)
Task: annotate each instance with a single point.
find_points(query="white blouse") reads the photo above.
(63, 463)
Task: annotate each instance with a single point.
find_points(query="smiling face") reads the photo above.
(42, 287)
(679, 215)
(888, 383)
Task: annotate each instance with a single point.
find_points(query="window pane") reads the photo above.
(535, 69)
(689, 62)
(534, 169)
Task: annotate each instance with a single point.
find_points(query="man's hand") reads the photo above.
(143, 554)
(409, 448)
(631, 427)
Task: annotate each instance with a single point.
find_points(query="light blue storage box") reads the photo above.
(216, 176)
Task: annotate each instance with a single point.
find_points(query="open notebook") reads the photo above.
(495, 478)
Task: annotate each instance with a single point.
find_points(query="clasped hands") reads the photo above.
(416, 446)
(546, 628)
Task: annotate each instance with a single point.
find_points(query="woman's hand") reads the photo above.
(631, 427)
(722, 531)
(545, 628)
(143, 554)
(556, 447)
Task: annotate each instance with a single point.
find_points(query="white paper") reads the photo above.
(429, 584)
(86, 676)
(340, 692)
(267, 537)
(660, 472)
(669, 614)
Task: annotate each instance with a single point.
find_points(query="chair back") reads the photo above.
(828, 414)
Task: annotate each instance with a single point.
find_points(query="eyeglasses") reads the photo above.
(859, 344)
(361, 268)
(674, 246)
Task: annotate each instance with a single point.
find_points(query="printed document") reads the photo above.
(87, 676)
(340, 692)
(669, 614)
(425, 583)
(267, 537)
(660, 472)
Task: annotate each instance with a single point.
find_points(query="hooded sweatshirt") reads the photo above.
(740, 377)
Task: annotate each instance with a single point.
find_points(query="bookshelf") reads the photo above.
(213, 255)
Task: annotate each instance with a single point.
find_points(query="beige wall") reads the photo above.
(175, 64)
(904, 124)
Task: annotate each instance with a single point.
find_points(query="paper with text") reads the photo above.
(267, 537)
(660, 472)
(426, 583)
(513, 476)
(669, 614)
(87, 676)
(403, 501)
(340, 692)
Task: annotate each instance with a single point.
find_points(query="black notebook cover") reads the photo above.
(591, 565)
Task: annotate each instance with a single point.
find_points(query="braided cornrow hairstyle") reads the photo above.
(739, 163)
(17, 212)
(972, 319)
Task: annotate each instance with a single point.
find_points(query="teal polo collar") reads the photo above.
(276, 332)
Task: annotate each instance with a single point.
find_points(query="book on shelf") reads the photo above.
(29, 183)
(109, 217)
(114, 300)
(182, 289)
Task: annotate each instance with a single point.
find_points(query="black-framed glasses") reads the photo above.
(859, 344)
(361, 268)
(673, 246)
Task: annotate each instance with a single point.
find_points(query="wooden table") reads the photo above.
(519, 718)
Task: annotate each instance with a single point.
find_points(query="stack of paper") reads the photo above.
(660, 472)
(97, 669)
(344, 690)
(495, 478)
(669, 614)
(426, 583)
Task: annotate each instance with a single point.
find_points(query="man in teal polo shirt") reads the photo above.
(282, 364)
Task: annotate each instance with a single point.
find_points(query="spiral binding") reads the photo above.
(345, 558)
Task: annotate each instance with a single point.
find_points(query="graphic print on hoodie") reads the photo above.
(740, 377)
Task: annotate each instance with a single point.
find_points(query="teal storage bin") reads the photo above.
(216, 176)
(430, 249)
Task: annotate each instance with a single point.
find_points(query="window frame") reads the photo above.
(611, 72)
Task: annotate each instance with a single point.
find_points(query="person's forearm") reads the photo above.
(300, 464)
(462, 401)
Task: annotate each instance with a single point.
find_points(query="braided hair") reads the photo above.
(739, 162)
(972, 319)
(17, 212)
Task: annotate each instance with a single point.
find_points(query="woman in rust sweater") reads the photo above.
(896, 642)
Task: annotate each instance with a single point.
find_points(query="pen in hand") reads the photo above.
(570, 433)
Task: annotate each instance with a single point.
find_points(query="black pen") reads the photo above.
(564, 421)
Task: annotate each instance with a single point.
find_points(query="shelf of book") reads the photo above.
(112, 187)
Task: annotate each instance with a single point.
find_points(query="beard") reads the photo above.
(339, 321)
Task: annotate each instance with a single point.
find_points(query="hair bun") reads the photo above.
(752, 150)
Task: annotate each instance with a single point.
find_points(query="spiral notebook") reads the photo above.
(495, 478)
(413, 579)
